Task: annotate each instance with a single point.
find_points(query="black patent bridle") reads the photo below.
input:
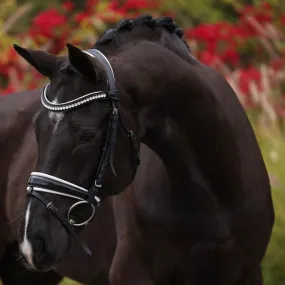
(44, 183)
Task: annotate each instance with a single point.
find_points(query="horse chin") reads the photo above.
(41, 268)
(44, 263)
(47, 268)
(33, 266)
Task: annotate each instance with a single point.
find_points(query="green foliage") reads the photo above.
(192, 12)
(272, 144)
(68, 281)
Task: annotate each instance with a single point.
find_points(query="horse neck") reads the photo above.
(185, 120)
(171, 139)
(165, 113)
(178, 113)
(171, 143)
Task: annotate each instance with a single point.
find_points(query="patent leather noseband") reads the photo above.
(43, 183)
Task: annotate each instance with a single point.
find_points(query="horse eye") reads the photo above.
(86, 136)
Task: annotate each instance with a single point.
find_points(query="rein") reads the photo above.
(44, 183)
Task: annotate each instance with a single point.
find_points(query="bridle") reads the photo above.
(44, 183)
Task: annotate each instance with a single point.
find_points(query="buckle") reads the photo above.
(113, 94)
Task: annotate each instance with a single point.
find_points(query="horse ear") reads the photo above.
(81, 62)
(42, 61)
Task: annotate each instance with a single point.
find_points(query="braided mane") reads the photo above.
(146, 21)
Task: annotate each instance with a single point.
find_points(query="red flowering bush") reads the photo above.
(51, 29)
(238, 49)
(46, 23)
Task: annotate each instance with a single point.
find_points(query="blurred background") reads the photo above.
(242, 39)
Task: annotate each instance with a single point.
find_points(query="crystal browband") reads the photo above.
(78, 102)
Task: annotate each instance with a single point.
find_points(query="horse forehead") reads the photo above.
(55, 117)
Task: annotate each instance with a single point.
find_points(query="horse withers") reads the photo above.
(214, 223)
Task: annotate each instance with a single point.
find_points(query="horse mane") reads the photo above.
(146, 21)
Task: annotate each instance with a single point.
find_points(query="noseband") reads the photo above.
(45, 183)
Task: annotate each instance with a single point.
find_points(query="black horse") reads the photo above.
(18, 157)
(211, 226)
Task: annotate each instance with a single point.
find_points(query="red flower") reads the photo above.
(248, 75)
(140, 4)
(12, 55)
(81, 17)
(205, 32)
(277, 63)
(246, 28)
(90, 4)
(263, 18)
(213, 32)
(9, 89)
(4, 69)
(46, 22)
(283, 19)
(266, 6)
(231, 56)
(113, 5)
(261, 13)
(211, 47)
(123, 11)
(248, 9)
(32, 85)
(133, 5)
(68, 6)
(208, 58)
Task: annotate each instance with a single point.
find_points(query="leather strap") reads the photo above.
(51, 207)
(46, 183)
